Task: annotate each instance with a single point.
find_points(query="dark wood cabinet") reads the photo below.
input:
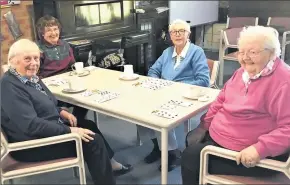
(154, 23)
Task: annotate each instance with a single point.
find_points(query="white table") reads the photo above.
(135, 103)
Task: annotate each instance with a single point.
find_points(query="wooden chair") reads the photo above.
(281, 178)
(228, 40)
(238, 22)
(11, 168)
(214, 69)
(282, 25)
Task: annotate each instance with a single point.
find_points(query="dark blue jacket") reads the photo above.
(27, 113)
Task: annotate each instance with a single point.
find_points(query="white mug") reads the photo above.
(195, 92)
(78, 67)
(128, 70)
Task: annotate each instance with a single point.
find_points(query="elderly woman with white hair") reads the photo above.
(184, 62)
(250, 115)
(29, 111)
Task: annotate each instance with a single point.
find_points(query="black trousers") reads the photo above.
(79, 112)
(190, 164)
(97, 154)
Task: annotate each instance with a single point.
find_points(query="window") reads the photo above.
(101, 13)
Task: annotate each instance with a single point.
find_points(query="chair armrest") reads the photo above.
(3, 151)
(286, 33)
(229, 154)
(44, 142)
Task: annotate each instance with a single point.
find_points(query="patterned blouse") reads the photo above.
(266, 71)
(33, 82)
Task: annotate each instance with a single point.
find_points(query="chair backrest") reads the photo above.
(214, 68)
(231, 36)
(237, 22)
(279, 21)
(4, 68)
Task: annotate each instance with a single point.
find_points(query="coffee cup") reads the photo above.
(195, 93)
(128, 70)
(75, 83)
(78, 67)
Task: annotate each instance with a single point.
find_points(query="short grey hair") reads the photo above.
(20, 47)
(269, 34)
(179, 21)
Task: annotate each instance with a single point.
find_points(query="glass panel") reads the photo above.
(127, 8)
(87, 15)
(110, 12)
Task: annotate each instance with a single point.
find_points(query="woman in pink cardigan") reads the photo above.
(251, 114)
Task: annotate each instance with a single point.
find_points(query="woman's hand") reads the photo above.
(70, 117)
(85, 134)
(249, 157)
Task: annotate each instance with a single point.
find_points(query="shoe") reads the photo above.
(125, 169)
(173, 160)
(153, 156)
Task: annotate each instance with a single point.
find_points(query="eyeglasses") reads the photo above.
(175, 32)
(51, 29)
(250, 53)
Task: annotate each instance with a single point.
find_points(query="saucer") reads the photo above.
(67, 90)
(84, 73)
(129, 78)
(188, 96)
(203, 99)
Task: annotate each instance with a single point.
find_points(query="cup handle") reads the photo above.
(72, 67)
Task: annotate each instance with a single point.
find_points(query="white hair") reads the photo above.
(179, 21)
(19, 47)
(269, 35)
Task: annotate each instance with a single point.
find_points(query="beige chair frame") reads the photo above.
(284, 41)
(229, 19)
(224, 45)
(214, 74)
(205, 177)
(78, 161)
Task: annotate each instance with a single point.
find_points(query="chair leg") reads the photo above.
(75, 172)
(96, 119)
(215, 86)
(82, 173)
(187, 126)
(139, 142)
(283, 52)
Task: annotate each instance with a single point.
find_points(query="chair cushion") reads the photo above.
(10, 164)
(280, 178)
(210, 64)
(233, 55)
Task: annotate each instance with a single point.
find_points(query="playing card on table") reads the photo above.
(149, 86)
(155, 84)
(56, 82)
(180, 103)
(107, 97)
(165, 114)
(87, 93)
(168, 106)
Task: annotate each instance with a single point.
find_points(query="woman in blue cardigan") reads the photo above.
(183, 62)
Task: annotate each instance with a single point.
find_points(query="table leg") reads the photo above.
(164, 155)
(96, 118)
(139, 142)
